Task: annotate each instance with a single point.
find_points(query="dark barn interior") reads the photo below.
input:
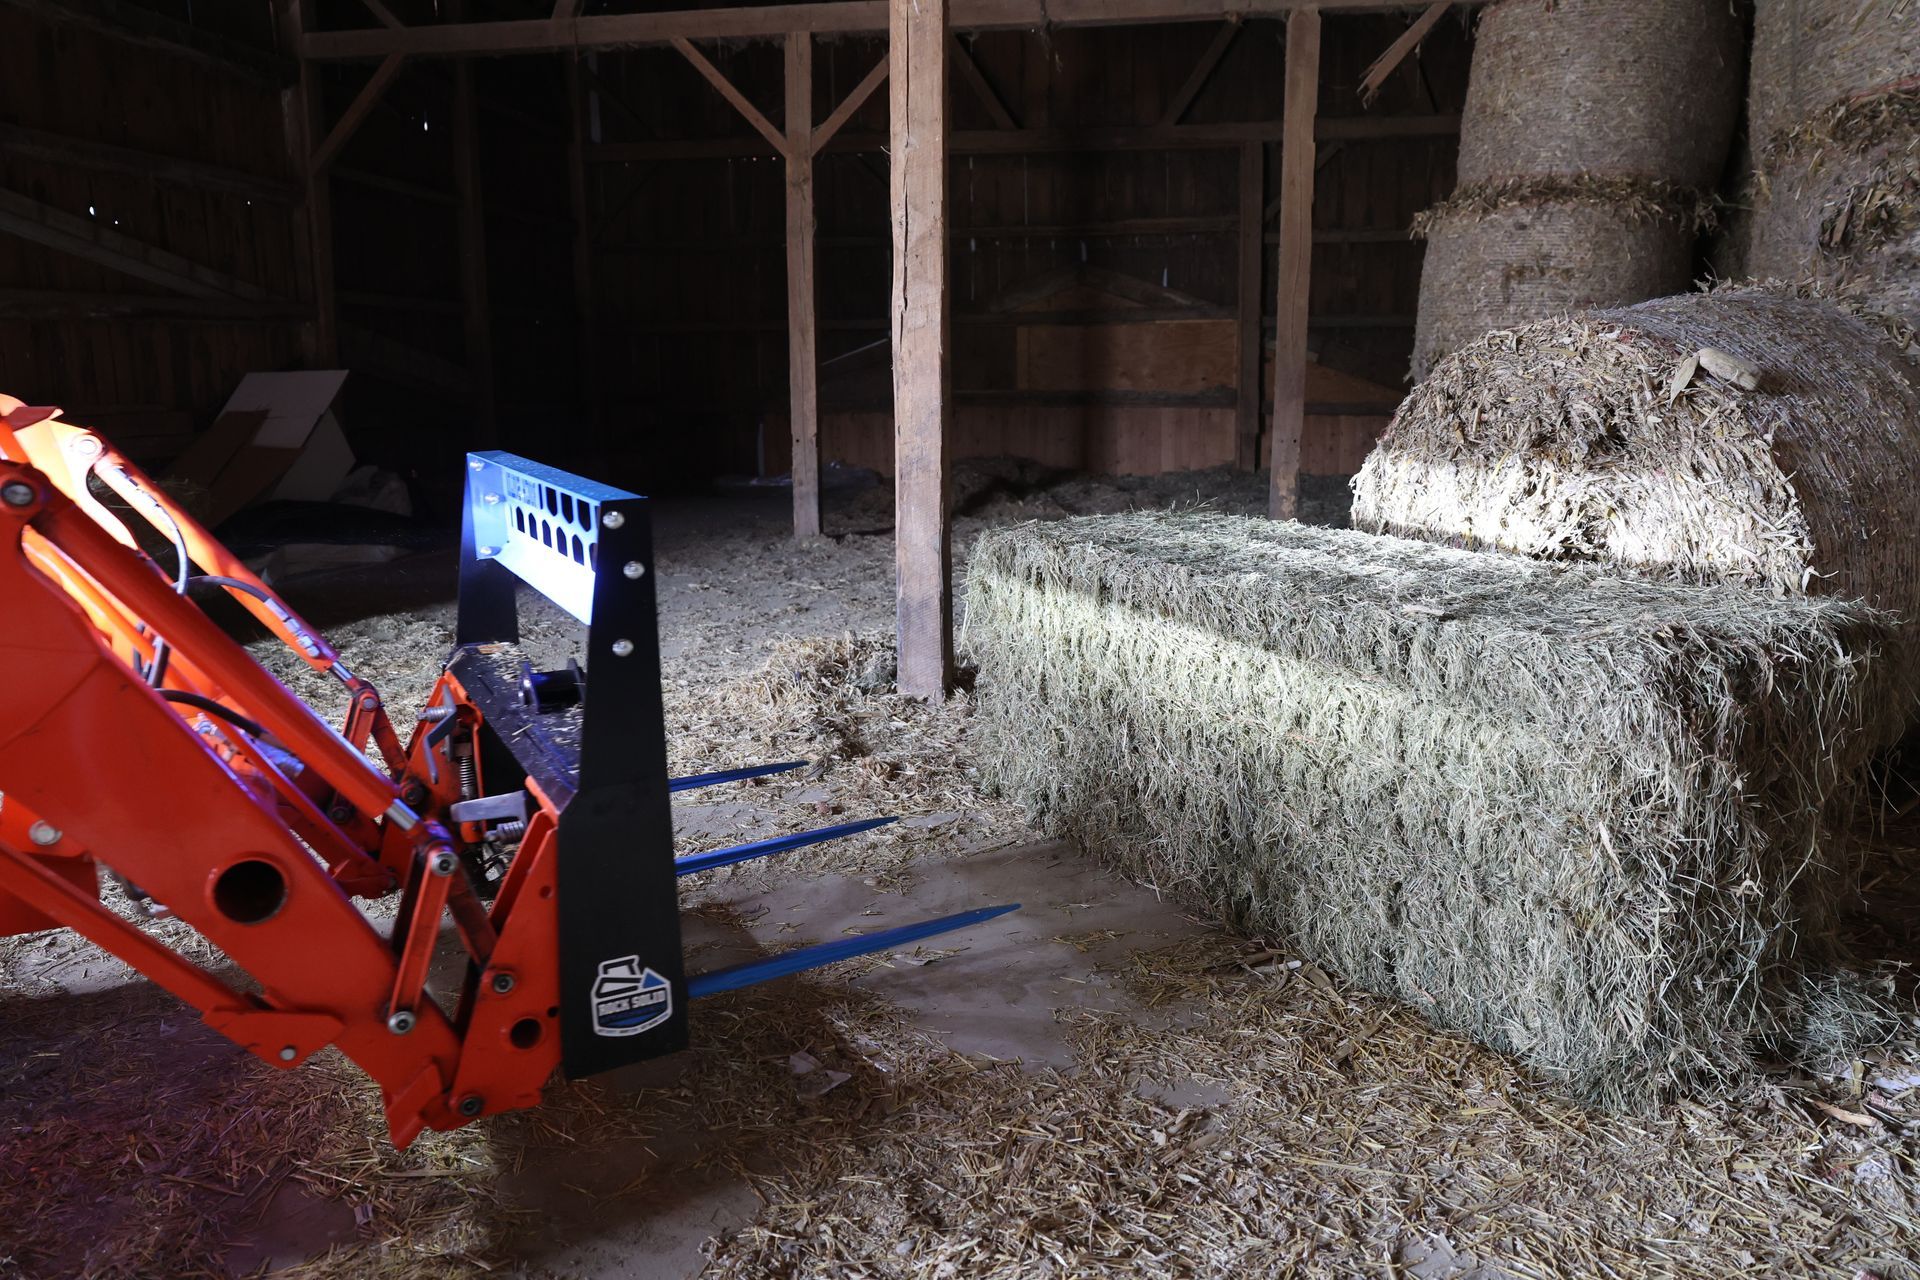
(947, 638)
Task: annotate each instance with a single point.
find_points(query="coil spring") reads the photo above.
(510, 830)
(469, 775)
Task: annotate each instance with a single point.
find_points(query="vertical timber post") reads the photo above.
(917, 58)
(475, 318)
(586, 335)
(1296, 260)
(1253, 195)
(303, 120)
(803, 405)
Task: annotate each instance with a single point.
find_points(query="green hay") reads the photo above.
(1578, 817)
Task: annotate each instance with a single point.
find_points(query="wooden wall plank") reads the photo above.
(1296, 261)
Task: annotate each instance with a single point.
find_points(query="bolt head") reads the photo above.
(400, 1021)
(634, 569)
(493, 499)
(622, 648)
(489, 551)
(472, 1105)
(43, 834)
(289, 1053)
(442, 864)
(86, 446)
(613, 519)
(474, 464)
(502, 983)
(17, 493)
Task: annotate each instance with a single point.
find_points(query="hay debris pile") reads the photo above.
(1592, 130)
(1577, 817)
(1834, 118)
(1600, 436)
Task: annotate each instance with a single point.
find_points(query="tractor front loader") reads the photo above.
(530, 808)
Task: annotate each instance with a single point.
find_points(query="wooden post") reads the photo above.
(475, 318)
(1253, 177)
(803, 395)
(302, 119)
(923, 602)
(1296, 260)
(586, 336)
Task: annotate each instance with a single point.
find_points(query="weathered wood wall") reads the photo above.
(144, 360)
(1051, 362)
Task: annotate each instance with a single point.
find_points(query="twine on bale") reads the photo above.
(1578, 817)
(1592, 131)
(1576, 438)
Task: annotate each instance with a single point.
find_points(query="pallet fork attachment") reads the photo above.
(529, 807)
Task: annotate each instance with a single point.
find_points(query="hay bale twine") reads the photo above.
(1541, 254)
(1592, 128)
(1641, 88)
(1809, 54)
(1600, 436)
(1837, 201)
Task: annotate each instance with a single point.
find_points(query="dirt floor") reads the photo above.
(1094, 1085)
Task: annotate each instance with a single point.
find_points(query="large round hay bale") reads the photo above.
(1837, 200)
(1591, 130)
(1646, 88)
(1809, 54)
(1491, 268)
(1579, 438)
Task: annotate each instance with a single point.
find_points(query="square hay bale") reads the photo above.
(1579, 817)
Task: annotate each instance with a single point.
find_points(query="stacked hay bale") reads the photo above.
(1601, 436)
(1575, 816)
(1834, 124)
(1594, 130)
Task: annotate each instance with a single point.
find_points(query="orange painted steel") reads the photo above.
(137, 736)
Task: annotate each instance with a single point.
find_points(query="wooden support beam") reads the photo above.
(803, 373)
(1202, 72)
(983, 89)
(773, 21)
(79, 153)
(383, 15)
(1383, 66)
(586, 336)
(300, 123)
(1301, 103)
(139, 25)
(727, 90)
(567, 10)
(1037, 141)
(43, 224)
(917, 44)
(63, 304)
(1253, 177)
(355, 114)
(476, 321)
(848, 105)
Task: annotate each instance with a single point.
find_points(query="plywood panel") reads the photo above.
(1170, 355)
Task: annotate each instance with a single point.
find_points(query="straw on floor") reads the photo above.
(1577, 817)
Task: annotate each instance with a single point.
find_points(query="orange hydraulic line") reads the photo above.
(145, 594)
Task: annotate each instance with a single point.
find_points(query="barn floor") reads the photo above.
(1096, 1084)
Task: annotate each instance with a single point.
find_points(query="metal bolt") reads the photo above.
(474, 464)
(493, 499)
(472, 1105)
(442, 863)
(400, 1021)
(339, 814)
(86, 446)
(622, 648)
(613, 519)
(17, 493)
(289, 1053)
(634, 569)
(489, 551)
(43, 834)
(502, 983)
